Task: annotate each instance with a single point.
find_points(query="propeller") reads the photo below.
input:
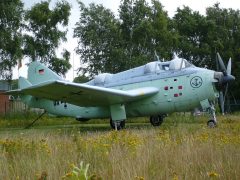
(224, 77)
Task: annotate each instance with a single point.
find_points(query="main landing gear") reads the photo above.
(118, 116)
(212, 123)
(156, 120)
(117, 125)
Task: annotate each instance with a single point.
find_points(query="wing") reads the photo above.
(85, 95)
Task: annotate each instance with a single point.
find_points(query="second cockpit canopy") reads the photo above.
(174, 64)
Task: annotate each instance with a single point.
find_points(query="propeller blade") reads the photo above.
(228, 78)
(225, 93)
(217, 64)
(229, 66)
(221, 64)
(221, 101)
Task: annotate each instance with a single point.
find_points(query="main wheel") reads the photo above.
(156, 120)
(117, 125)
(211, 124)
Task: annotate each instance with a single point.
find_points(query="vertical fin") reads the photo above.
(38, 73)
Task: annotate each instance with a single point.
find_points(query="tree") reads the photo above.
(99, 42)
(44, 36)
(192, 29)
(165, 38)
(61, 65)
(81, 79)
(135, 31)
(10, 36)
(145, 30)
(224, 37)
(108, 44)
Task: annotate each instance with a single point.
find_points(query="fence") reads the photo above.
(16, 106)
(9, 106)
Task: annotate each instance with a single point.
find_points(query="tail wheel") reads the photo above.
(117, 125)
(156, 120)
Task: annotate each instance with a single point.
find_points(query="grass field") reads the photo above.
(182, 148)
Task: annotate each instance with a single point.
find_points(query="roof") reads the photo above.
(4, 86)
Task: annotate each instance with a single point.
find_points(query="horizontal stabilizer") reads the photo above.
(22, 83)
(14, 92)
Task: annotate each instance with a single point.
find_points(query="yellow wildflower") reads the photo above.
(213, 174)
(139, 178)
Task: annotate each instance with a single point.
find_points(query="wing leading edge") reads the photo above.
(85, 95)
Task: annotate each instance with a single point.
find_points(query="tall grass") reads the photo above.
(182, 148)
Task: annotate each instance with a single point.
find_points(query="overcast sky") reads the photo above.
(169, 5)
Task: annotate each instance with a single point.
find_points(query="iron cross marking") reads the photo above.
(196, 82)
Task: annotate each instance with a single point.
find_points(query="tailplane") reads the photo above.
(23, 83)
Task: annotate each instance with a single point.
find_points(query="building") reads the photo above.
(4, 99)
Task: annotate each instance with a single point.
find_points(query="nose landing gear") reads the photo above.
(212, 123)
(209, 107)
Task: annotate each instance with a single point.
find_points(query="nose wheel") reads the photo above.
(212, 123)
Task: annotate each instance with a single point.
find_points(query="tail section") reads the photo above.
(38, 73)
(23, 83)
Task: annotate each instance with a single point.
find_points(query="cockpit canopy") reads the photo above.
(175, 64)
(102, 78)
(179, 63)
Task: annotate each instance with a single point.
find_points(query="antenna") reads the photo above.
(157, 57)
(175, 55)
(34, 56)
(181, 64)
(73, 66)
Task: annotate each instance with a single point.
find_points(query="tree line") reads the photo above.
(32, 33)
(140, 30)
(111, 42)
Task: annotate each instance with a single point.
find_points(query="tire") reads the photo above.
(120, 124)
(211, 124)
(156, 120)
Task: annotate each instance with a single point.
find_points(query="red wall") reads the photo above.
(4, 103)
